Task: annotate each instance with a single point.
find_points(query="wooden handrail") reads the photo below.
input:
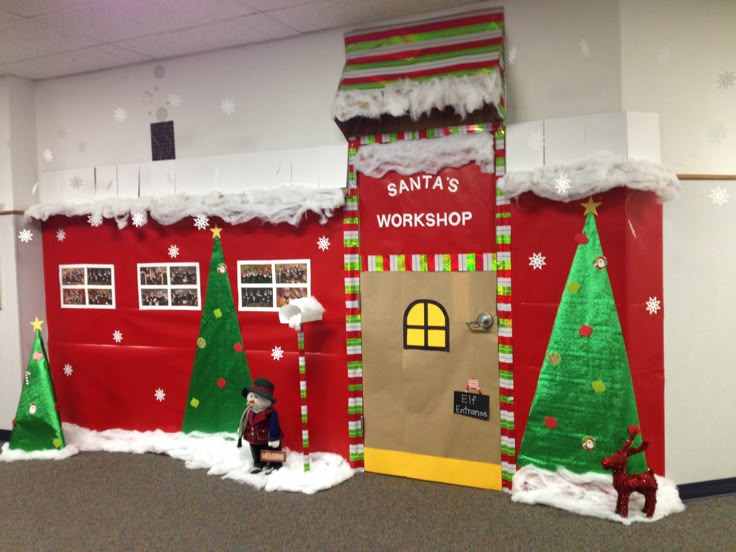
(706, 176)
(11, 212)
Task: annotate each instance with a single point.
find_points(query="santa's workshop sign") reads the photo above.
(448, 212)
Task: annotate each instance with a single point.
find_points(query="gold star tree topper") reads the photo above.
(591, 206)
(37, 324)
(215, 232)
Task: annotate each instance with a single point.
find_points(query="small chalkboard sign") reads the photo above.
(473, 405)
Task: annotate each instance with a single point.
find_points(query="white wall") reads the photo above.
(699, 302)
(673, 52)
(282, 91)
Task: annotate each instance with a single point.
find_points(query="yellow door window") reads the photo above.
(426, 326)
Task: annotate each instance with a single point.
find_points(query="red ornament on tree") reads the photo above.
(625, 484)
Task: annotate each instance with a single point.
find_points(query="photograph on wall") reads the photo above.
(267, 285)
(87, 286)
(168, 286)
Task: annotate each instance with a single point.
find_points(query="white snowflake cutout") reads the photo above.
(536, 140)
(717, 133)
(726, 79)
(513, 54)
(202, 222)
(138, 218)
(25, 235)
(60, 234)
(120, 114)
(323, 243)
(277, 353)
(174, 100)
(227, 106)
(653, 305)
(76, 182)
(173, 251)
(584, 47)
(562, 184)
(117, 336)
(95, 220)
(68, 370)
(719, 196)
(48, 155)
(537, 261)
(160, 394)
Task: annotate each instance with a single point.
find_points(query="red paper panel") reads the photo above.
(448, 212)
(630, 228)
(113, 385)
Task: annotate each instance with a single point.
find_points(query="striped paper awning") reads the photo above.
(454, 62)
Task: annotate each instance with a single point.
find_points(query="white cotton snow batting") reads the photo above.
(273, 205)
(596, 174)
(429, 156)
(590, 494)
(12, 455)
(219, 455)
(416, 98)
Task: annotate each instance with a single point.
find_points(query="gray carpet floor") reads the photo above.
(113, 501)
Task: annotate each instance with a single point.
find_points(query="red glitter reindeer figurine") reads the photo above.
(625, 484)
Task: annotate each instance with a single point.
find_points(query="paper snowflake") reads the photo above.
(536, 140)
(323, 243)
(117, 336)
(68, 370)
(726, 79)
(48, 155)
(717, 133)
(34, 189)
(227, 106)
(536, 261)
(120, 114)
(719, 196)
(202, 222)
(653, 305)
(562, 184)
(76, 182)
(138, 219)
(513, 53)
(277, 353)
(160, 394)
(584, 48)
(25, 235)
(60, 234)
(174, 100)
(95, 220)
(173, 251)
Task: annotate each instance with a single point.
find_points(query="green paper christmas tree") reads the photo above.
(37, 425)
(220, 371)
(584, 402)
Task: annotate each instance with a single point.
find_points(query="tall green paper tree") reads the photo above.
(584, 402)
(220, 371)
(37, 425)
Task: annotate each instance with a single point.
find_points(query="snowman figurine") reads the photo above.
(259, 424)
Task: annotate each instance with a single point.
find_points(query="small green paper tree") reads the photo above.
(584, 402)
(37, 425)
(220, 371)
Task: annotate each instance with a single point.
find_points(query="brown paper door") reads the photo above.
(410, 425)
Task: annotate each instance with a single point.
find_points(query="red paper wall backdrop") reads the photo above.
(113, 385)
(630, 228)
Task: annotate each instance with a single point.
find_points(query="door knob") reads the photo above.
(484, 322)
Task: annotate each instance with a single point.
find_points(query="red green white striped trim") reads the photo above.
(449, 262)
(399, 66)
(303, 401)
(503, 299)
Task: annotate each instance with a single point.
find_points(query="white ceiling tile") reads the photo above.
(7, 17)
(27, 38)
(268, 5)
(212, 36)
(329, 13)
(32, 8)
(70, 63)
